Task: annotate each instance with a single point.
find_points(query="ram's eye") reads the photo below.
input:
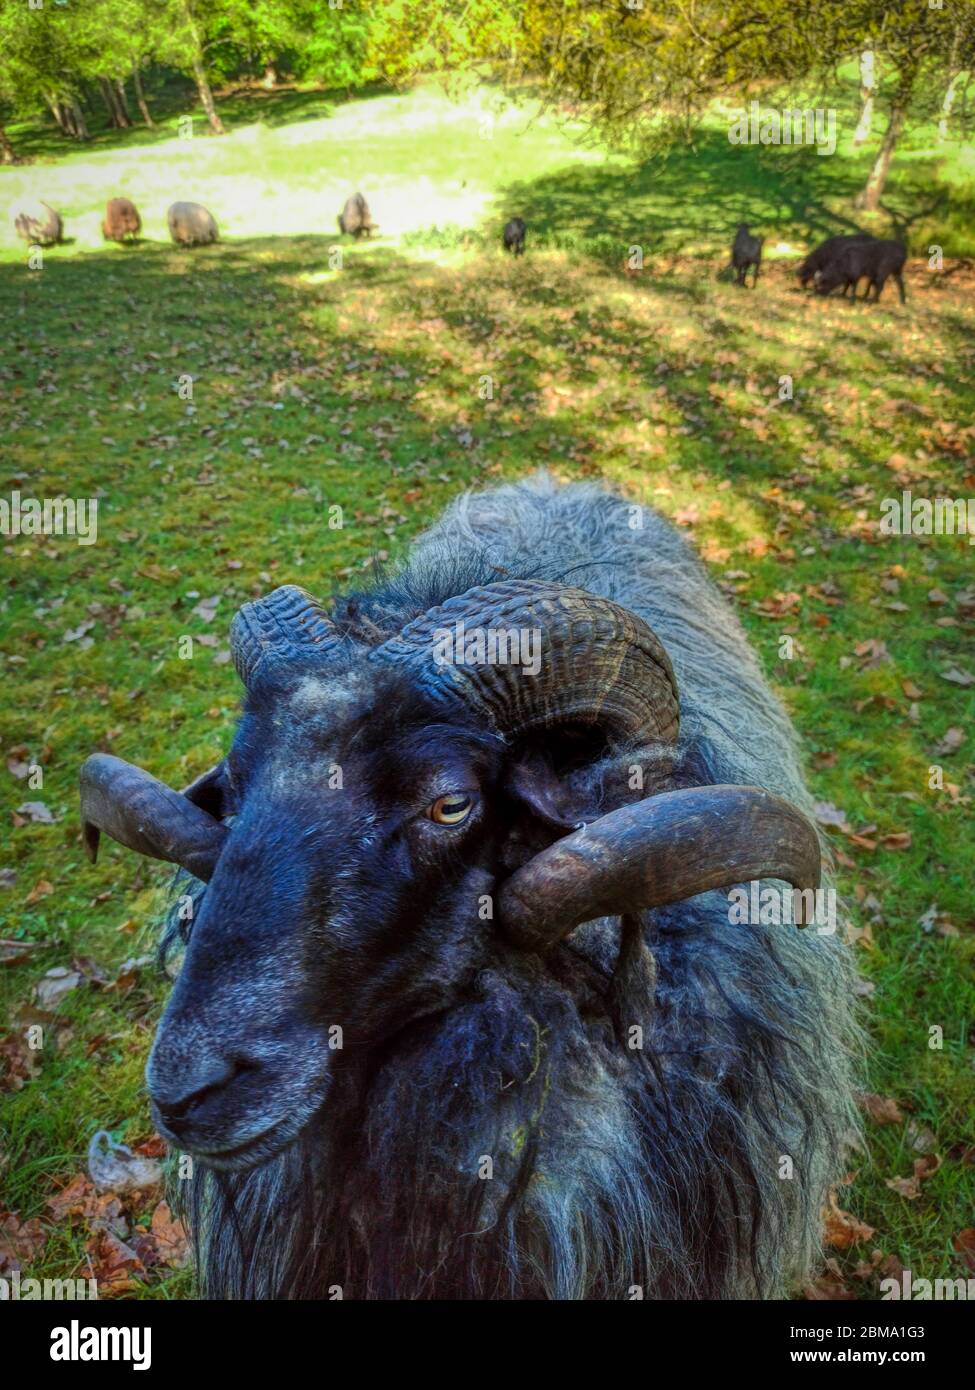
(452, 809)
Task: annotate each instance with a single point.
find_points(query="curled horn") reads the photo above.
(658, 851)
(271, 632)
(147, 816)
(598, 663)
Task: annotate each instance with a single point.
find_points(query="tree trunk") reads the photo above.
(54, 107)
(270, 78)
(123, 105)
(108, 97)
(140, 97)
(872, 191)
(80, 125)
(868, 91)
(953, 76)
(947, 105)
(206, 97)
(200, 76)
(6, 149)
(121, 119)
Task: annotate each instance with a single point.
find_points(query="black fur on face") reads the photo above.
(340, 912)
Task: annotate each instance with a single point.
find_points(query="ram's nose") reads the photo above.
(190, 1096)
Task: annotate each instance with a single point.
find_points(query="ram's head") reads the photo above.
(390, 820)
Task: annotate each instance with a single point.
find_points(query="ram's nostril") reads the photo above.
(194, 1088)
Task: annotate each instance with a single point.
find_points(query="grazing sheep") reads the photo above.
(460, 917)
(191, 224)
(826, 252)
(514, 236)
(121, 220)
(746, 250)
(355, 219)
(875, 260)
(38, 223)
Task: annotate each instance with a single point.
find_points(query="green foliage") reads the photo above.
(334, 43)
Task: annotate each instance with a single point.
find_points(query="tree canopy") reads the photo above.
(637, 69)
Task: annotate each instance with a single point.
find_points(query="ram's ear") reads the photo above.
(213, 792)
(535, 785)
(563, 802)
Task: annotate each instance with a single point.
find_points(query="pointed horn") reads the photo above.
(147, 816)
(661, 850)
(598, 662)
(273, 631)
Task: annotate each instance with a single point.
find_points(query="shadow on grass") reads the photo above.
(691, 196)
(204, 306)
(172, 98)
(697, 195)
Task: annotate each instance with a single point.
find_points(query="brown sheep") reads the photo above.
(121, 221)
(355, 219)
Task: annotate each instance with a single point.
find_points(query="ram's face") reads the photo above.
(386, 826)
(348, 901)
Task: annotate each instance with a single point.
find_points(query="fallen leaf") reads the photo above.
(128, 972)
(950, 742)
(829, 1287)
(883, 1110)
(20, 1241)
(841, 1228)
(153, 1147)
(828, 814)
(780, 604)
(113, 1263)
(37, 812)
(18, 1062)
(922, 1140)
(873, 652)
(58, 982)
(71, 1200)
(891, 1268)
(206, 608)
(170, 1237)
(964, 1243)
(909, 1188)
(925, 1167)
(16, 952)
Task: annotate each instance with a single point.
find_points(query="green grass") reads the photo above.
(444, 174)
(360, 387)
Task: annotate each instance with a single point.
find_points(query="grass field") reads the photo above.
(362, 386)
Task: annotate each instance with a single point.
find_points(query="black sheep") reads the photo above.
(746, 250)
(826, 252)
(514, 236)
(877, 260)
